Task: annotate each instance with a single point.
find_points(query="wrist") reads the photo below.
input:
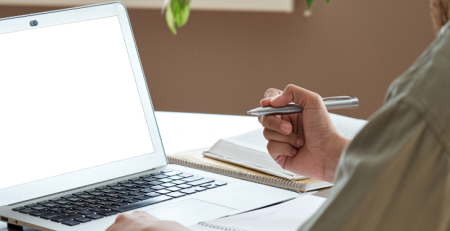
(335, 150)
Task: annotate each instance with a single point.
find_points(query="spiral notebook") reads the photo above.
(246, 157)
(287, 216)
(195, 159)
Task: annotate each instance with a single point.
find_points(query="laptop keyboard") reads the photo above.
(119, 197)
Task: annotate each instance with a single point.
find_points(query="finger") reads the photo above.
(277, 149)
(307, 99)
(436, 15)
(276, 124)
(291, 139)
(269, 94)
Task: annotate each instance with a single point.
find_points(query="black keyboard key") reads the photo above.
(96, 209)
(96, 193)
(139, 183)
(173, 189)
(155, 183)
(200, 182)
(43, 202)
(146, 190)
(153, 194)
(86, 212)
(39, 208)
(172, 173)
(94, 216)
(79, 193)
(71, 223)
(176, 194)
(52, 215)
(85, 196)
(61, 202)
(102, 188)
(55, 209)
(71, 211)
(144, 176)
(74, 199)
(107, 213)
(40, 213)
(51, 205)
(141, 204)
(82, 219)
(155, 173)
(30, 205)
(131, 201)
(129, 185)
(158, 187)
(107, 191)
(27, 210)
(168, 170)
(149, 179)
(188, 191)
(160, 176)
(18, 208)
(133, 179)
(118, 188)
(65, 217)
(193, 178)
(113, 185)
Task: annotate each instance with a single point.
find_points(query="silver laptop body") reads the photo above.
(77, 121)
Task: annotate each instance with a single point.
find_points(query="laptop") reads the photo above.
(79, 139)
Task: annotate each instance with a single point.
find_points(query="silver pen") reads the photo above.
(336, 102)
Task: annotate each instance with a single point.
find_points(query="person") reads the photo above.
(394, 175)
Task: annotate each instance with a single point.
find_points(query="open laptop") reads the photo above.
(79, 140)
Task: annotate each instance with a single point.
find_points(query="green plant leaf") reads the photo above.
(181, 10)
(185, 11)
(170, 19)
(309, 3)
(328, 2)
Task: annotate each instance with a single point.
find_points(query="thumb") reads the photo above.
(306, 99)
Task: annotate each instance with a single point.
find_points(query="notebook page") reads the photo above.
(288, 216)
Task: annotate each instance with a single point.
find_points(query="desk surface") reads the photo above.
(188, 131)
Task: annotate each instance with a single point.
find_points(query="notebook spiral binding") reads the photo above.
(220, 227)
(243, 175)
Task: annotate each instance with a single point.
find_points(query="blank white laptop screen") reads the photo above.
(68, 101)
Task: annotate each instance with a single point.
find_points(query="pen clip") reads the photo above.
(336, 98)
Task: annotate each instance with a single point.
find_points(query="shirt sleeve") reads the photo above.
(393, 176)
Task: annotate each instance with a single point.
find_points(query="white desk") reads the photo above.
(188, 131)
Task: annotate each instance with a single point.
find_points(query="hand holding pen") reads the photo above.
(305, 143)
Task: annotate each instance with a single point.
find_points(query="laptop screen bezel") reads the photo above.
(104, 172)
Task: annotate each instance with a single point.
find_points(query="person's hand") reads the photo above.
(142, 221)
(440, 13)
(305, 143)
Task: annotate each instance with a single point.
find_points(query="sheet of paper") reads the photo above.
(288, 216)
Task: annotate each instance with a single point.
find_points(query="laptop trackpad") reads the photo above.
(190, 211)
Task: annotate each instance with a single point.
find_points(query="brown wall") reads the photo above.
(222, 62)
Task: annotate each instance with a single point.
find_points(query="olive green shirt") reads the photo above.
(395, 174)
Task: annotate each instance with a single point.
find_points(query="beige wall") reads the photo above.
(222, 62)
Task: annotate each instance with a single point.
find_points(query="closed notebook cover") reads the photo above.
(195, 159)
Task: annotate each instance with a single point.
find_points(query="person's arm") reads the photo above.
(305, 143)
